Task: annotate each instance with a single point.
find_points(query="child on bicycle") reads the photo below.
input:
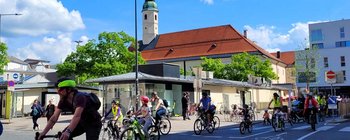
(266, 117)
(245, 113)
(145, 112)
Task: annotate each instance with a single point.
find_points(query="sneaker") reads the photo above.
(188, 118)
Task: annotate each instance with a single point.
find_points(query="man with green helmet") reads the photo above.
(86, 118)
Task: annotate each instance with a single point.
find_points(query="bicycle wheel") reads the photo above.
(274, 124)
(282, 125)
(242, 127)
(198, 127)
(106, 134)
(153, 134)
(165, 126)
(129, 134)
(210, 128)
(250, 128)
(216, 122)
(313, 123)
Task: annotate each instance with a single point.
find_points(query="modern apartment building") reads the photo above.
(332, 43)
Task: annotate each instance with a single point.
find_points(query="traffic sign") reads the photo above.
(332, 102)
(15, 75)
(330, 74)
(330, 77)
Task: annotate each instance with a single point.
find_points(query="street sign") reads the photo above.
(332, 102)
(330, 77)
(330, 74)
(11, 85)
(15, 76)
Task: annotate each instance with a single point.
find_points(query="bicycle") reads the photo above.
(164, 125)
(280, 121)
(56, 136)
(312, 119)
(109, 130)
(134, 131)
(246, 125)
(201, 123)
(321, 114)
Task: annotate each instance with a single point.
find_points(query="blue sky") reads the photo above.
(48, 28)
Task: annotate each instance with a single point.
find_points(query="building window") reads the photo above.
(303, 77)
(344, 74)
(342, 61)
(312, 63)
(155, 17)
(317, 45)
(145, 16)
(342, 44)
(325, 61)
(342, 32)
(316, 35)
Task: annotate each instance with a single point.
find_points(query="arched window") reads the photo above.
(155, 17)
(145, 16)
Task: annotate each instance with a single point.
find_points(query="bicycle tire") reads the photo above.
(198, 127)
(250, 128)
(274, 125)
(216, 122)
(282, 125)
(210, 129)
(153, 134)
(129, 131)
(165, 126)
(242, 127)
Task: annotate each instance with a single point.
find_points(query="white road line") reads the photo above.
(250, 135)
(345, 129)
(323, 128)
(301, 127)
(258, 128)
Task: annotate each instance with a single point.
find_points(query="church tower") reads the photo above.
(149, 21)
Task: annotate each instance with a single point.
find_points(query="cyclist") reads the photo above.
(245, 113)
(206, 103)
(310, 103)
(117, 113)
(277, 106)
(160, 108)
(145, 112)
(322, 102)
(86, 118)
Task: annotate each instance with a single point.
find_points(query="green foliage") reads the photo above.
(240, 67)
(105, 57)
(3, 57)
(182, 72)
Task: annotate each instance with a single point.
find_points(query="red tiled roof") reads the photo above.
(286, 57)
(199, 42)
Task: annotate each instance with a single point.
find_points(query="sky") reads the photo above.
(48, 29)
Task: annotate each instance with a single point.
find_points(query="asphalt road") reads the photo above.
(301, 131)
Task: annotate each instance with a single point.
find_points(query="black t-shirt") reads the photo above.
(184, 102)
(81, 99)
(50, 109)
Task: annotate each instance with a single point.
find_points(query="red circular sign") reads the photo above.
(330, 75)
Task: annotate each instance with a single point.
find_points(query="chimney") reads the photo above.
(278, 54)
(245, 33)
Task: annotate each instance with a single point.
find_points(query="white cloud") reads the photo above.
(209, 2)
(54, 49)
(38, 17)
(269, 39)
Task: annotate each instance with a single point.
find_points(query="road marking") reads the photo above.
(345, 129)
(217, 137)
(323, 128)
(301, 127)
(258, 128)
(249, 135)
(276, 136)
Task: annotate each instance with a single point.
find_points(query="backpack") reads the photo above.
(166, 103)
(95, 101)
(35, 112)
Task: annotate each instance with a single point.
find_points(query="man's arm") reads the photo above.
(76, 118)
(52, 121)
(269, 104)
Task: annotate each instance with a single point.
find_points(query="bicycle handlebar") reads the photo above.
(58, 135)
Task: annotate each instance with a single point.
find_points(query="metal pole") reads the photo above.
(136, 57)
(0, 28)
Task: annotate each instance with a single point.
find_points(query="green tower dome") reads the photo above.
(150, 5)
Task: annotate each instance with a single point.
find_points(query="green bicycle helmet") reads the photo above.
(65, 82)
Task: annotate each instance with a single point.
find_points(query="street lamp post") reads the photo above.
(16, 14)
(136, 60)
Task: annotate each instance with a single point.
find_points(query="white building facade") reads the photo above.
(332, 40)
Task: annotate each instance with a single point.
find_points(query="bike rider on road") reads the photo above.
(86, 118)
(206, 102)
(117, 113)
(277, 105)
(310, 103)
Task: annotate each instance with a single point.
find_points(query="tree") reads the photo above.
(3, 57)
(105, 57)
(240, 67)
(306, 64)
